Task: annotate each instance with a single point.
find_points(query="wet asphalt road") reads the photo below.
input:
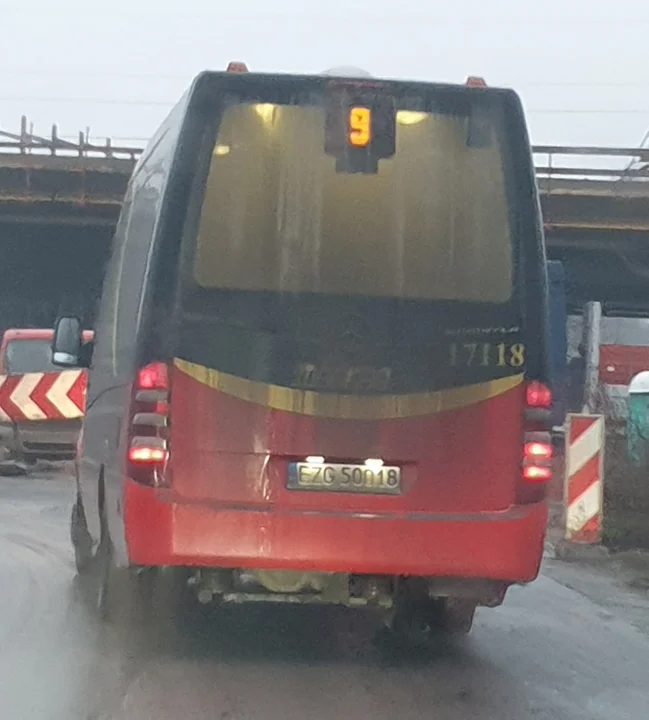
(548, 653)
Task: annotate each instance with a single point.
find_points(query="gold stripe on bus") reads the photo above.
(347, 407)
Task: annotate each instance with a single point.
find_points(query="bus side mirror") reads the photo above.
(67, 342)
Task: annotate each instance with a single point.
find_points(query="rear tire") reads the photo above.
(123, 593)
(81, 540)
(113, 594)
(420, 622)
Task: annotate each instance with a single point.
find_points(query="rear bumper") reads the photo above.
(505, 546)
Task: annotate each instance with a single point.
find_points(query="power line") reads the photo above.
(379, 13)
(99, 74)
(377, 17)
(89, 101)
(586, 111)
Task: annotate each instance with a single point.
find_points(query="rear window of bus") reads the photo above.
(434, 223)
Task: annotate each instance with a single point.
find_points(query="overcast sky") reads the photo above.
(580, 66)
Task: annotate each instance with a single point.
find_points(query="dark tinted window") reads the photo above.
(25, 356)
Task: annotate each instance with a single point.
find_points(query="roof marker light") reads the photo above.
(475, 81)
(236, 66)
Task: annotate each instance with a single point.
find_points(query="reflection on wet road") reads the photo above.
(548, 653)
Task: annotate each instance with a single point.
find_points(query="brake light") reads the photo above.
(538, 395)
(538, 450)
(148, 444)
(147, 454)
(537, 474)
(536, 469)
(235, 66)
(153, 377)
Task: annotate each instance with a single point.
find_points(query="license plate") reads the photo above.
(338, 477)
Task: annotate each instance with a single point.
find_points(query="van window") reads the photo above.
(29, 355)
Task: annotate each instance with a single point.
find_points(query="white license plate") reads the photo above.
(338, 477)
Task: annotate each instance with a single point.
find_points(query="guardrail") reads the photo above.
(606, 164)
(553, 162)
(27, 143)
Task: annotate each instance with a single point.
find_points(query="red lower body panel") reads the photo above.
(162, 529)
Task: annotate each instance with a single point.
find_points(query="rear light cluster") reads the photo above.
(537, 456)
(537, 443)
(148, 445)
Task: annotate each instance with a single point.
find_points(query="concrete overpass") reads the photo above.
(65, 197)
(59, 203)
(596, 213)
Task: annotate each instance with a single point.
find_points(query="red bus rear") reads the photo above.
(341, 342)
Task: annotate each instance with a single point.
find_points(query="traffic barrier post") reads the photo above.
(584, 478)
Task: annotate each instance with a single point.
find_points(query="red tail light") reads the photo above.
(537, 456)
(535, 450)
(153, 377)
(148, 448)
(537, 474)
(538, 395)
(147, 454)
(536, 470)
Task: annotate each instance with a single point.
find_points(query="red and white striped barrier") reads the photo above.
(43, 396)
(584, 480)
